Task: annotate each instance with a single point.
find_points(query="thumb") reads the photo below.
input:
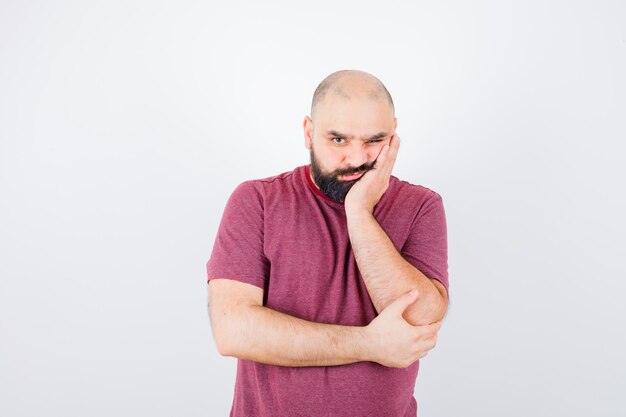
(401, 303)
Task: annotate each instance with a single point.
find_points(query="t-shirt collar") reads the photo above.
(307, 174)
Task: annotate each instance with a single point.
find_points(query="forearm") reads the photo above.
(267, 336)
(387, 274)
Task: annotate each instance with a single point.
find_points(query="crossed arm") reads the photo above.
(397, 337)
(387, 274)
(244, 328)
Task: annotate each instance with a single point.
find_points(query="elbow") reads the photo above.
(224, 346)
(228, 340)
(439, 312)
(421, 318)
(422, 314)
(438, 304)
(230, 334)
(223, 336)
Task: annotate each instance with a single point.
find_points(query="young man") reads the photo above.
(329, 282)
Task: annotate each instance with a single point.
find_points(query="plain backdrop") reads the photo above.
(125, 126)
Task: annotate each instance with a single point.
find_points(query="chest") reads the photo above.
(313, 272)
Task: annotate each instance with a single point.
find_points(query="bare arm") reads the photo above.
(387, 274)
(245, 329)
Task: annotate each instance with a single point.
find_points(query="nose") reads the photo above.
(356, 156)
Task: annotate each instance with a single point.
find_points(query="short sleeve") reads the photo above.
(238, 248)
(427, 245)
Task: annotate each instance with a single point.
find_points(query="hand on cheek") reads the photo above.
(368, 190)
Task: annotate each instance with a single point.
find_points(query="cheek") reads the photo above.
(374, 152)
(330, 158)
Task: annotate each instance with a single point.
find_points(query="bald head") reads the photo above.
(349, 85)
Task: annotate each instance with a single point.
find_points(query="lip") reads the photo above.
(352, 177)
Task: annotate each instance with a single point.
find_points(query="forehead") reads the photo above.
(357, 116)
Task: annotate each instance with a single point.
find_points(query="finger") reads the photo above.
(422, 330)
(396, 140)
(434, 327)
(394, 147)
(382, 156)
(387, 157)
(401, 303)
(392, 153)
(394, 143)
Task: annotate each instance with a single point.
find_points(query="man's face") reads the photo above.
(345, 141)
(335, 184)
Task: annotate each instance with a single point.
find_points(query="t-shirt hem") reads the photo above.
(246, 280)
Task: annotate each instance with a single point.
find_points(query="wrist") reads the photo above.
(359, 212)
(363, 344)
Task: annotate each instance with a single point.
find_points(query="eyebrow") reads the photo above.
(342, 135)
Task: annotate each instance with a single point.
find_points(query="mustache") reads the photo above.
(348, 171)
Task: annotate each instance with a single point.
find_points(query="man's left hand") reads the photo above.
(368, 190)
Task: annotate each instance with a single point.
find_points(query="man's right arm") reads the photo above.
(244, 328)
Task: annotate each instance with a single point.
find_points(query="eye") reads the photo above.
(338, 140)
(374, 141)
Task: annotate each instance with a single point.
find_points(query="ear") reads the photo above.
(307, 124)
(395, 123)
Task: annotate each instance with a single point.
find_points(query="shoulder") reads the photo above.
(259, 188)
(278, 180)
(414, 195)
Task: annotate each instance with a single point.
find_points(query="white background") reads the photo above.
(125, 126)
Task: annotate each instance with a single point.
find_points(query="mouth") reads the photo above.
(351, 177)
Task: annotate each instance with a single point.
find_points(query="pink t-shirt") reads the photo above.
(285, 236)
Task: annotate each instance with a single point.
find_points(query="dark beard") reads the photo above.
(330, 184)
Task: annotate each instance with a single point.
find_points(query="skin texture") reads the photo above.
(355, 104)
(245, 329)
(359, 113)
